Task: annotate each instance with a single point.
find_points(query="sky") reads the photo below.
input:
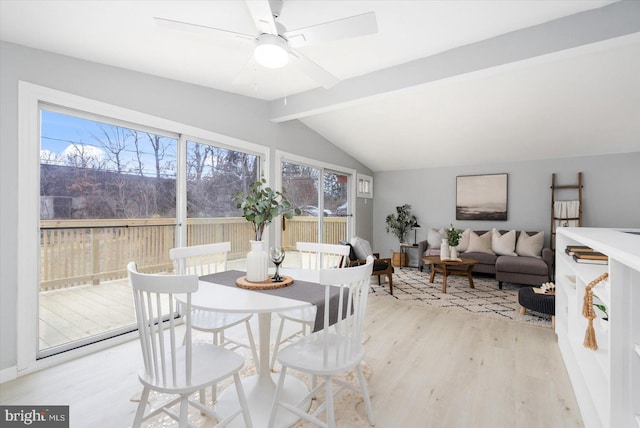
(61, 133)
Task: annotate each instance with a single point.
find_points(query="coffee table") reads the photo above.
(444, 267)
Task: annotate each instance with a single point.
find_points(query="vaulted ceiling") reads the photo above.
(441, 82)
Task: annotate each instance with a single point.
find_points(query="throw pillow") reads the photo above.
(464, 241)
(479, 244)
(361, 247)
(503, 245)
(435, 237)
(530, 246)
(352, 254)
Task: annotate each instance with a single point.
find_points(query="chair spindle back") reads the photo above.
(162, 352)
(200, 259)
(353, 284)
(316, 256)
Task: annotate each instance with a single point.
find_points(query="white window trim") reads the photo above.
(290, 157)
(30, 97)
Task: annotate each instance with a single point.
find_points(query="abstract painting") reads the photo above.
(481, 197)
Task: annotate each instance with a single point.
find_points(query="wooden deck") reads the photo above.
(76, 313)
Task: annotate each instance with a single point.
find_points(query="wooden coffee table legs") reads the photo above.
(442, 268)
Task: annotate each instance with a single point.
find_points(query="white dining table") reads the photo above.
(260, 388)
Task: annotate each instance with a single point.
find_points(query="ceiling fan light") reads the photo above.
(270, 52)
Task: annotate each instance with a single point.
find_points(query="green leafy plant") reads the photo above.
(453, 236)
(603, 308)
(261, 204)
(401, 221)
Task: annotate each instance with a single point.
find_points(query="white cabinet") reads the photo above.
(606, 381)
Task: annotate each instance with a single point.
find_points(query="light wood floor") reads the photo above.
(430, 368)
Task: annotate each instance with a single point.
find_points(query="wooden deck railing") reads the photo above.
(75, 252)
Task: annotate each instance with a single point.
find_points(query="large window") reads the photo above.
(214, 176)
(107, 196)
(113, 191)
(323, 195)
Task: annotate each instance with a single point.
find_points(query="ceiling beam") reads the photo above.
(585, 28)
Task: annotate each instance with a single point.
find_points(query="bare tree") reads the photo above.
(115, 141)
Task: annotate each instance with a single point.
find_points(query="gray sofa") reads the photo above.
(513, 269)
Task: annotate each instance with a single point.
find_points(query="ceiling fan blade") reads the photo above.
(201, 29)
(262, 15)
(354, 26)
(313, 70)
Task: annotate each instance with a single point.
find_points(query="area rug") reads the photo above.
(412, 287)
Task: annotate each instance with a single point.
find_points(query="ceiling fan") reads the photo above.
(275, 46)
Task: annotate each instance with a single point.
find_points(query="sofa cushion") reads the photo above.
(435, 237)
(480, 244)
(503, 245)
(380, 265)
(361, 247)
(526, 265)
(432, 252)
(482, 258)
(530, 246)
(464, 241)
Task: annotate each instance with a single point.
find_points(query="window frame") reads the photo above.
(282, 156)
(31, 98)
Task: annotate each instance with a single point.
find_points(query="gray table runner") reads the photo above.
(300, 290)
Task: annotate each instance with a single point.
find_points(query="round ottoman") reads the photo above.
(543, 303)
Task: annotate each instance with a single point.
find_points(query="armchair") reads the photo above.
(359, 250)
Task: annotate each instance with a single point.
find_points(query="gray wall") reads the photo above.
(611, 195)
(209, 109)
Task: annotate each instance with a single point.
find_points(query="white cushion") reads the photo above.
(503, 245)
(530, 246)
(464, 241)
(479, 244)
(361, 247)
(435, 237)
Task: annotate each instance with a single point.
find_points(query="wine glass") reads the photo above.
(277, 256)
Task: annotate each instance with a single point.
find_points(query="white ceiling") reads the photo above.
(441, 83)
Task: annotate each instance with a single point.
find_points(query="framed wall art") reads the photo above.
(481, 197)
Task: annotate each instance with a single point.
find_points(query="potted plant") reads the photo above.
(400, 222)
(453, 239)
(260, 205)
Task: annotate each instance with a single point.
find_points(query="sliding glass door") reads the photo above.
(323, 198)
(107, 196)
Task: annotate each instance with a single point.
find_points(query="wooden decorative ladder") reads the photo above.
(554, 188)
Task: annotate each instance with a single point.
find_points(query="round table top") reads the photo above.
(438, 261)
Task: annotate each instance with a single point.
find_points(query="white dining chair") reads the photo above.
(313, 256)
(175, 368)
(204, 260)
(330, 352)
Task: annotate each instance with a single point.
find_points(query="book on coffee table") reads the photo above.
(449, 259)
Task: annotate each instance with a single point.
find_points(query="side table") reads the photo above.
(412, 255)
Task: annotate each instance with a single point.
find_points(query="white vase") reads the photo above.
(453, 253)
(444, 249)
(257, 262)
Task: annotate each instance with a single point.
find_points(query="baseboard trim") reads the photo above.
(8, 374)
